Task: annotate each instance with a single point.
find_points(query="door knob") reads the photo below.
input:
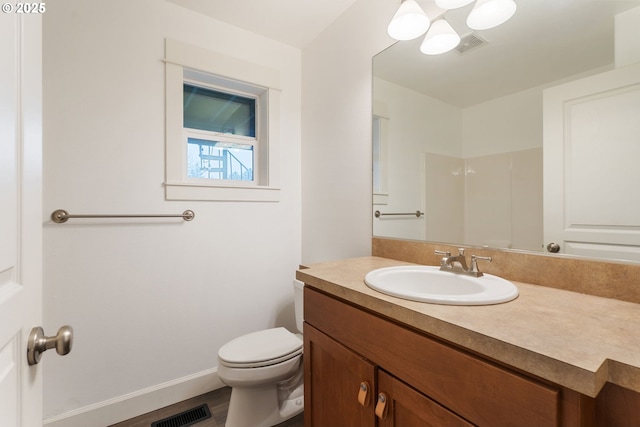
(38, 343)
(553, 247)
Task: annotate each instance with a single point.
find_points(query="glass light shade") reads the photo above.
(452, 4)
(441, 38)
(409, 22)
(490, 13)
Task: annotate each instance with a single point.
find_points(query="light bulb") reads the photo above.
(409, 21)
(490, 13)
(441, 38)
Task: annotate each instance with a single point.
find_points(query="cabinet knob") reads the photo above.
(381, 406)
(363, 394)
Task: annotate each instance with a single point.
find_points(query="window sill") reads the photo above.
(208, 192)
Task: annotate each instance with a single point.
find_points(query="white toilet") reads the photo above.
(264, 370)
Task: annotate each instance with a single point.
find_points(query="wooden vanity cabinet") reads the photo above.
(423, 381)
(337, 375)
(340, 390)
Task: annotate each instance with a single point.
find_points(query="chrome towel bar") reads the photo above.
(417, 214)
(60, 216)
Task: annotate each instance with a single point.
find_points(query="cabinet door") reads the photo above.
(333, 379)
(406, 407)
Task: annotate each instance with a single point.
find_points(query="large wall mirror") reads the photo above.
(526, 136)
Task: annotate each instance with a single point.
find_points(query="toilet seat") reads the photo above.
(262, 348)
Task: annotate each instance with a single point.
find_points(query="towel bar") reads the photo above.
(60, 216)
(417, 214)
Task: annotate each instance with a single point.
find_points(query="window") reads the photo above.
(219, 160)
(379, 139)
(221, 134)
(221, 127)
(220, 112)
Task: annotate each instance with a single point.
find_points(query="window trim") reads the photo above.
(192, 64)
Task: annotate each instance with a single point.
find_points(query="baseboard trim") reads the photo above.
(140, 402)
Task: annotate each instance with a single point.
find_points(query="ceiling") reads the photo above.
(292, 22)
(545, 41)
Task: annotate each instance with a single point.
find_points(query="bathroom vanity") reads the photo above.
(549, 358)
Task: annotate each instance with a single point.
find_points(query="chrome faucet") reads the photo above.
(458, 264)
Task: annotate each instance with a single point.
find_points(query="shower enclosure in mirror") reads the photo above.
(524, 137)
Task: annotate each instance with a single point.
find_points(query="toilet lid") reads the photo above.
(259, 347)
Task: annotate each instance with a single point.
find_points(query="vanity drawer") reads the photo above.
(480, 391)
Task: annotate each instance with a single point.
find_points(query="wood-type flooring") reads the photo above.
(218, 402)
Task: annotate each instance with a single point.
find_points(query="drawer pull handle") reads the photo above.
(363, 394)
(381, 406)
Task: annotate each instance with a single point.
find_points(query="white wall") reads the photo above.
(505, 124)
(336, 130)
(151, 301)
(627, 48)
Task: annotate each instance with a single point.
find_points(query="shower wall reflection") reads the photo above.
(476, 172)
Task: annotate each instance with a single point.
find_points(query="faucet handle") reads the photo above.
(445, 253)
(474, 264)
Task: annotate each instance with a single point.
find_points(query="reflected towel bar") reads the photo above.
(417, 214)
(60, 216)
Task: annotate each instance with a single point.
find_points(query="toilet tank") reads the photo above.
(297, 303)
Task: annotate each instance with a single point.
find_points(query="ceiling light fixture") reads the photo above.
(490, 13)
(440, 38)
(409, 21)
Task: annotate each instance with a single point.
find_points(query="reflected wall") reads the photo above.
(475, 172)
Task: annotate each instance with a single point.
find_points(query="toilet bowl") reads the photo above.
(264, 370)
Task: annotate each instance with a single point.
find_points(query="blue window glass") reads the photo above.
(219, 160)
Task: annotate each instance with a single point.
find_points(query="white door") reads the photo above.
(592, 165)
(20, 216)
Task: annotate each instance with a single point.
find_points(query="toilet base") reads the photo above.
(259, 406)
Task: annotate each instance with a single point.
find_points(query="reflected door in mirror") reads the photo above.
(591, 170)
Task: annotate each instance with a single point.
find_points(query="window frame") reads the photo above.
(200, 67)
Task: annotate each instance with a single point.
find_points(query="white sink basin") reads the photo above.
(429, 284)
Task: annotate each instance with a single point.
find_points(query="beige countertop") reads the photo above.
(576, 340)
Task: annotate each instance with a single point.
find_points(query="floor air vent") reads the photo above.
(185, 418)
